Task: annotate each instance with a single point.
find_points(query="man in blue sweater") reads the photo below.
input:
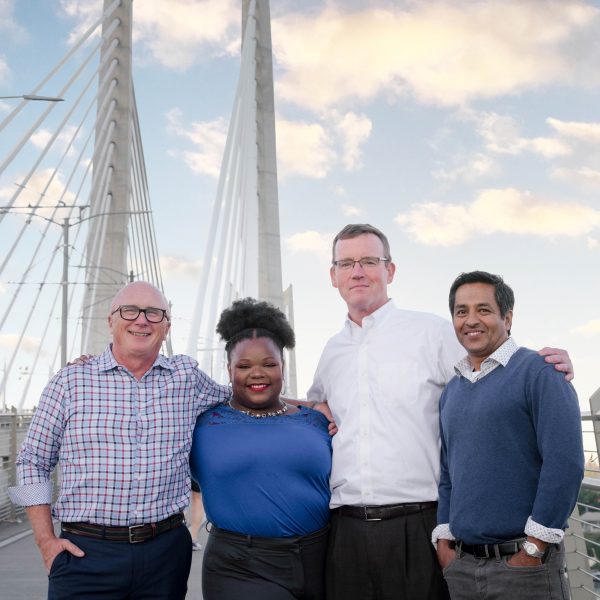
(512, 456)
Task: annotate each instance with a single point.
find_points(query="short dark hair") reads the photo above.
(249, 318)
(354, 230)
(504, 295)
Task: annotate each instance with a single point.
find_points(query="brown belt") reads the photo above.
(132, 534)
(386, 511)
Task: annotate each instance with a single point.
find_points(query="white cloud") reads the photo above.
(592, 243)
(585, 132)
(340, 191)
(589, 329)
(447, 53)
(584, 176)
(508, 211)
(548, 147)
(477, 166)
(9, 27)
(179, 265)
(353, 130)
(177, 33)
(352, 211)
(501, 135)
(28, 343)
(209, 137)
(303, 149)
(312, 242)
(54, 194)
(4, 71)
(42, 136)
(84, 12)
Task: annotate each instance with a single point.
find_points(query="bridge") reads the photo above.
(78, 223)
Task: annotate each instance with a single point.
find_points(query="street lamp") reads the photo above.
(34, 97)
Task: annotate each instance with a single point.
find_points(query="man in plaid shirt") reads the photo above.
(120, 426)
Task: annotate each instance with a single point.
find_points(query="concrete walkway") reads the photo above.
(22, 574)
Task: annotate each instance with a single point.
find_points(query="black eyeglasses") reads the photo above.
(366, 262)
(131, 313)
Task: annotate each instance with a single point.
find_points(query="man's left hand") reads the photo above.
(560, 359)
(323, 408)
(81, 360)
(522, 559)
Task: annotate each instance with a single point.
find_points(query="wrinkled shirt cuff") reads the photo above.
(443, 532)
(31, 494)
(546, 534)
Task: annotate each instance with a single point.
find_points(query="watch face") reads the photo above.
(532, 550)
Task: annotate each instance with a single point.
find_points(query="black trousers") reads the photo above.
(391, 559)
(157, 569)
(239, 567)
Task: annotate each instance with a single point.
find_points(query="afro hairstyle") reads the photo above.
(249, 318)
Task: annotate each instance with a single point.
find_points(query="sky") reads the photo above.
(468, 131)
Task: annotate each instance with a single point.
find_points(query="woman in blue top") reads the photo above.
(263, 466)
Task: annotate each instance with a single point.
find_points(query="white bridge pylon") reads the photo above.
(243, 252)
(52, 204)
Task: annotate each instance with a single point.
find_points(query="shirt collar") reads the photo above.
(500, 356)
(371, 320)
(107, 361)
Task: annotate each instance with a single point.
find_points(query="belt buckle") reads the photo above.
(131, 529)
(367, 515)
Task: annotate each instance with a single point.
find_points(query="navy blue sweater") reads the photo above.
(511, 448)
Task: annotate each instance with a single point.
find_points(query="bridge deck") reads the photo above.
(23, 576)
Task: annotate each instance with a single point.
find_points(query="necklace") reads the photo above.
(262, 415)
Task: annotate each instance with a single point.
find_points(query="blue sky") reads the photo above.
(469, 131)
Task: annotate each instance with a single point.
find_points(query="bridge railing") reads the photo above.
(582, 543)
(13, 427)
(582, 539)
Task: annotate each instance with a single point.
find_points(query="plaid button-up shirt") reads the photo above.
(123, 444)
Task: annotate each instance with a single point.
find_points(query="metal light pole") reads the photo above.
(65, 225)
(65, 293)
(34, 97)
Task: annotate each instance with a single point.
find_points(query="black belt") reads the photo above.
(132, 534)
(282, 543)
(491, 550)
(386, 511)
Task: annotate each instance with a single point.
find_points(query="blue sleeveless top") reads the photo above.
(267, 477)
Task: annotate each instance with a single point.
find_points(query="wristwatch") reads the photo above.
(532, 550)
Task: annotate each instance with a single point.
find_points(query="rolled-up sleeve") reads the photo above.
(40, 449)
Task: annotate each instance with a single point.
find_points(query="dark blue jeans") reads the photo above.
(157, 569)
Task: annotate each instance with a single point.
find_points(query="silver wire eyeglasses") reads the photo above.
(366, 262)
(131, 313)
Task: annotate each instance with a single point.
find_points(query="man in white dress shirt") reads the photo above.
(382, 376)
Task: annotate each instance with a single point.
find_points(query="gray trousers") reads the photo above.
(471, 578)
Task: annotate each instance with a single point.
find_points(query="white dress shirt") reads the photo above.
(383, 382)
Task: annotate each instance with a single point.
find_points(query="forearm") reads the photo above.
(40, 518)
(48, 543)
